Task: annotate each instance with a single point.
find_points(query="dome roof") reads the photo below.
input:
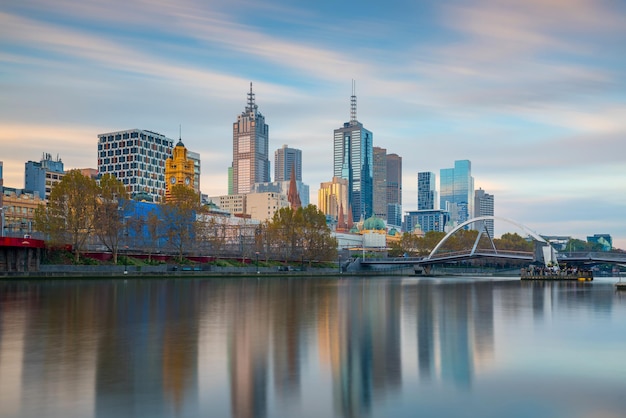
(374, 223)
(180, 143)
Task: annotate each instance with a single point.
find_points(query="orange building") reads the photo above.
(179, 169)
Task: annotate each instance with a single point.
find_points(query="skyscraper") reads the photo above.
(250, 148)
(483, 206)
(457, 191)
(285, 159)
(352, 160)
(394, 189)
(137, 158)
(380, 182)
(426, 191)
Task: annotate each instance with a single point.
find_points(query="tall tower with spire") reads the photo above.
(353, 161)
(250, 149)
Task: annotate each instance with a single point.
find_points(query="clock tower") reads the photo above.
(178, 170)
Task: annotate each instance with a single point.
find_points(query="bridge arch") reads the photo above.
(532, 233)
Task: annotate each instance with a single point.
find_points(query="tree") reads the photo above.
(179, 217)
(69, 215)
(301, 233)
(110, 226)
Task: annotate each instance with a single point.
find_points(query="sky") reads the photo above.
(532, 92)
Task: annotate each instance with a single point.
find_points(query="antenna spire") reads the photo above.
(353, 103)
(251, 105)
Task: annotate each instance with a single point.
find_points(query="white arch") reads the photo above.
(532, 233)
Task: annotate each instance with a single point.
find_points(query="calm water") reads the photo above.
(382, 347)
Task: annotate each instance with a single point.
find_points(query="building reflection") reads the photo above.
(133, 348)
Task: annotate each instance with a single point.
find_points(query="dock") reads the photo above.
(620, 285)
(579, 276)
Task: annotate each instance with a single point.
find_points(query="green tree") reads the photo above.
(301, 234)
(69, 216)
(110, 226)
(513, 242)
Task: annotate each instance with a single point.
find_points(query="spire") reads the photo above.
(292, 196)
(341, 223)
(180, 137)
(251, 108)
(353, 104)
(350, 219)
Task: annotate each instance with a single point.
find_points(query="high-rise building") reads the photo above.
(394, 189)
(179, 170)
(332, 197)
(426, 191)
(380, 182)
(483, 206)
(250, 148)
(137, 158)
(353, 161)
(41, 176)
(457, 191)
(426, 220)
(285, 160)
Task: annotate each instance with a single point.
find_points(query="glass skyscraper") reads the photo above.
(250, 149)
(286, 159)
(426, 191)
(353, 161)
(457, 191)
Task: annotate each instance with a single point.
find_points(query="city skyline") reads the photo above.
(532, 94)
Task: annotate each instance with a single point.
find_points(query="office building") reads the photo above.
(457, 191)
(426, 191)
(18, 211)
(426, 220)
(41, 176)
(394, 190)
(332, 197)
(483, 206)
(283, 187)
(603, 240)
(285, 160)
(380, 182)
(137, 158)
(195, 159)
(353, 161)
(250, 148)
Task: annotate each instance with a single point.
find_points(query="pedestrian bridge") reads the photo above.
(544, 252)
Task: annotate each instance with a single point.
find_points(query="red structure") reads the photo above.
(20, 254)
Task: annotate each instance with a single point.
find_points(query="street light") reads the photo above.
(257, 262)
(339, 262)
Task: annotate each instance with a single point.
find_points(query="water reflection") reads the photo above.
(279, 347)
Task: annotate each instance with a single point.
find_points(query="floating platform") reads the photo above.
(620, 285)
(581, 276)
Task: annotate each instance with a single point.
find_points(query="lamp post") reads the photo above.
(257, 262)
(126, 259)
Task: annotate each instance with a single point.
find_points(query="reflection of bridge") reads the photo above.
(544, 252)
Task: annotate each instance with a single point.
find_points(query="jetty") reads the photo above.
(547, 274)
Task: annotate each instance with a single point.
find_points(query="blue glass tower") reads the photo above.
(457, 191)
(353, 158)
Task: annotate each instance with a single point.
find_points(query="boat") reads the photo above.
(548, 274)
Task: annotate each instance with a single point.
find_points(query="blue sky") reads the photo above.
(533, 93)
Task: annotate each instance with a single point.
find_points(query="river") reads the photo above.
(304, 347)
